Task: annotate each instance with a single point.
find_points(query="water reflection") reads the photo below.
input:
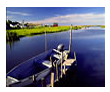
(11, 43)
(89, 45)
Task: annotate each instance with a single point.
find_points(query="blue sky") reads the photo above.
(62, 15)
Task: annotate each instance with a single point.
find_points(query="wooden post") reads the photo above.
(74, 56)
(45, 41)
(61, 64)
(52, 79)
(57, 71)
(52, 73)
(64, 69)
(34, 78)
(75, 59)
(43, 82)
(70, 39)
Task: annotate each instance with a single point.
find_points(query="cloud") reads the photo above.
(18, 13)
(88, 18)
(9, 17)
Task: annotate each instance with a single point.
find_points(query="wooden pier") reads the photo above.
(64, 63)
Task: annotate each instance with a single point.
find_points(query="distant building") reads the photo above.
(34, 25)
(55, 24)
(14, 25)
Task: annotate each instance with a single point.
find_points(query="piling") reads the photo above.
(43, 82)
(70, 39)
(75, 59)
(61, 64)
(52, 79)
(45, 41)
(34, 78)
(57, 71)
(52, 73)
(64, 69)
(74, 56)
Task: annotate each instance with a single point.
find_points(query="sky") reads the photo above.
(61, 15)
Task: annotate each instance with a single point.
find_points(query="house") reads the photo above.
(55, 24)
(16, 25)
(34, 25)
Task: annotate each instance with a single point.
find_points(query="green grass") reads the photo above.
(103, 26)
(17, 33)
(34, 31)
(40, 30)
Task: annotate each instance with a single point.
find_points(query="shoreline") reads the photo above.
(16, 34)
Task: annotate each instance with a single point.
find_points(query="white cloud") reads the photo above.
(88, 18)
(18, 13)
(9, 17)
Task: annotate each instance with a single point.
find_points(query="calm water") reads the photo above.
(89, 45)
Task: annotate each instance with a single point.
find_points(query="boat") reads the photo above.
(42, 70)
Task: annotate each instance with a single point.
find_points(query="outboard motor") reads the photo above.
(60, 47)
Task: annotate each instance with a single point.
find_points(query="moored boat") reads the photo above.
(42, 70)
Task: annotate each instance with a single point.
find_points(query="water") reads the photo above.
(89, 45)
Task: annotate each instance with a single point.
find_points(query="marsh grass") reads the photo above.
(103, 26)
(17, 33)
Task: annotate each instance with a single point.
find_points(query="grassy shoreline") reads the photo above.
(103, 26)
(15, 34)
(40, 30)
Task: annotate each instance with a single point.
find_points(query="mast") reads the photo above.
(70, 39)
